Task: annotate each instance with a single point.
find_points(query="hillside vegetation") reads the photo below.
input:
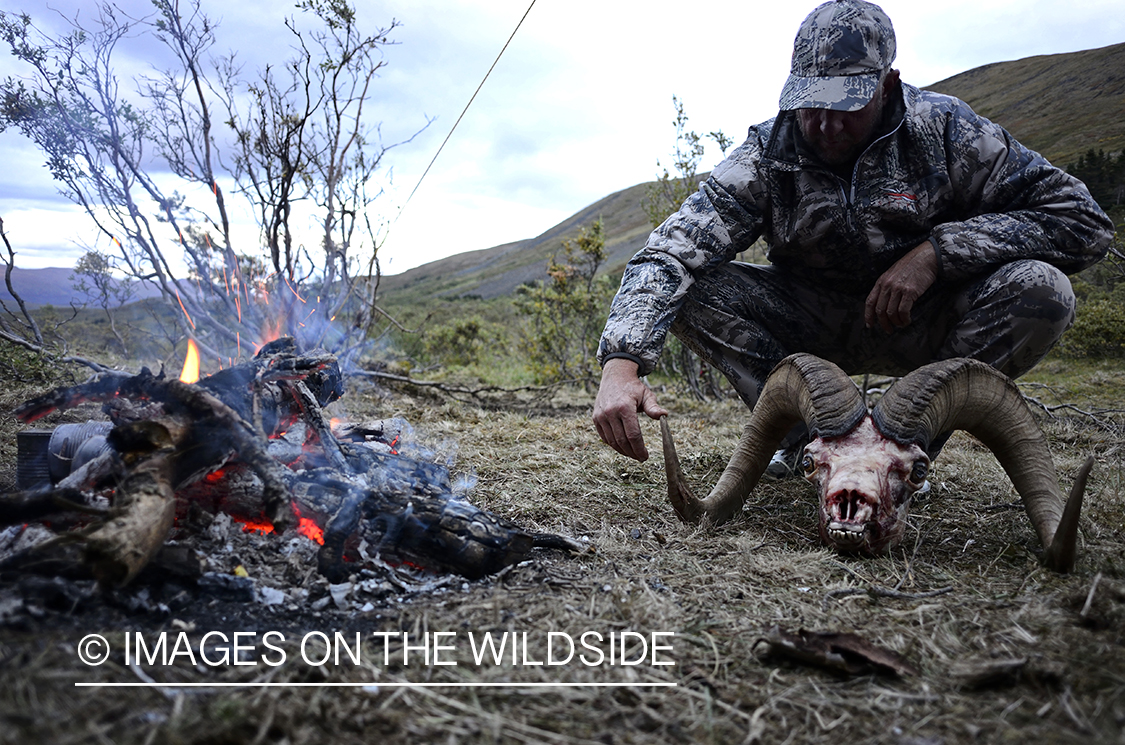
(1060, 105)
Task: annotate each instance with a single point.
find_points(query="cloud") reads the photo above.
(47, 234)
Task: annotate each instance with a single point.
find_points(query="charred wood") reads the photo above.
(118, 548)
(42, 504)
(252, 441)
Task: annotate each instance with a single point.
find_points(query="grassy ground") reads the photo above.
(1005, 651)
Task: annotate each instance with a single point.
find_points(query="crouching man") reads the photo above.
(902, 228)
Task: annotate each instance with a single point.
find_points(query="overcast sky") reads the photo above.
(579, 106)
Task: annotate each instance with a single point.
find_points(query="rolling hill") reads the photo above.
(1060, 105)
(492, 272)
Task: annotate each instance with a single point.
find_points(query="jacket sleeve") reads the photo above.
(717, 222)
(1015, 204)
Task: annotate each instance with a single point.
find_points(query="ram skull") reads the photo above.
(867, 465)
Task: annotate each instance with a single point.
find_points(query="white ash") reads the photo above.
(18, 538)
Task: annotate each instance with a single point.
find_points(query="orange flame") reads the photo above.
(190, 373)
(306, 526)
(271, 331)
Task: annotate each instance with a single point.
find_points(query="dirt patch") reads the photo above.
(1005, 652)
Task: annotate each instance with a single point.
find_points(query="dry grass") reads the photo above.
(719, 590)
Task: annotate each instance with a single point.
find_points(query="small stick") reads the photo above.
(314, 417)
(1090, 595)
(884, 592)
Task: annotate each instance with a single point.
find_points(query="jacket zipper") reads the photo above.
(849, 193)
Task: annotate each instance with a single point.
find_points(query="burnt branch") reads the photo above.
(120, 546)
(40, 504)
(479, 393)
(212, 425)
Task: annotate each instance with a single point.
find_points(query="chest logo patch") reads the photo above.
(901, 197)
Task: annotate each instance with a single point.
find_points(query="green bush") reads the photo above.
(566, 313)
(19, 365)
(462, 343)
(1098, 330)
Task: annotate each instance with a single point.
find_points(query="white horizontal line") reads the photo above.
(374, 684)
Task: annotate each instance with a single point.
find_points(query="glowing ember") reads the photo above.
(307, 527)
(190, 372)
(255, 526)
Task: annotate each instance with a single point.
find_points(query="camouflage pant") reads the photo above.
(744, 318)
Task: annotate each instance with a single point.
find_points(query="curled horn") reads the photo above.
(970, 395)
(801, 388)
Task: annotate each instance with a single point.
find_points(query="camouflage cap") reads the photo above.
(839, 56)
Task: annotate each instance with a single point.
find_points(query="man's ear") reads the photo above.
(890, 83)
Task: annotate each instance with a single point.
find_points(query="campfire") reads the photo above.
(250, 445)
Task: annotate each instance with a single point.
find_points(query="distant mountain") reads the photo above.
(1060, 105)
(52, 286)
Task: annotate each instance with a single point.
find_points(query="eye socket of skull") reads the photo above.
(808, 465)
(919, 472)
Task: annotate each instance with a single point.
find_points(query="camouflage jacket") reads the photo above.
(936, 171)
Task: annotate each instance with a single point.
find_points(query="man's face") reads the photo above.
(838, 137)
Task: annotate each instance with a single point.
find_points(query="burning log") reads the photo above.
(253, 441)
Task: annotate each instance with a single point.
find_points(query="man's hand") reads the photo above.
(622, 394)
(895, 292)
